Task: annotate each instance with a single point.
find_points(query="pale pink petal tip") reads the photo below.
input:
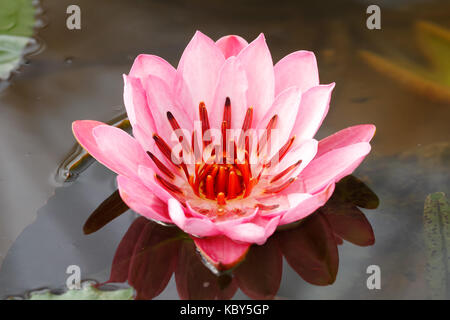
(231, 45)
(296, 69)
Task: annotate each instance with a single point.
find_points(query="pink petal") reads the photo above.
(296, 69)
(269, 224)
(312, 111)
(146, 64)
(286, 106)
(305, 152)
(246, 232)
(160, 101)
(259, 275)
(346, 137)
(147, 176)
(303, 205)
(231, 45)
(136, 105)
(119, 151)
(333, 165)
(257, 62)
(257, 231)
(222, 252)
(142, 200)
(82, 131)
(194, 226)
(232, 83)
(198, 71)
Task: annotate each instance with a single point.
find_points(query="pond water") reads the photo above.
(78, 75)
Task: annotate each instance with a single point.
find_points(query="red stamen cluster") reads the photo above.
(225, 179)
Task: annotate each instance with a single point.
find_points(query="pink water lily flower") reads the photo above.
(227, 191)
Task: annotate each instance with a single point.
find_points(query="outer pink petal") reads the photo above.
(346, 137)
(146, 64)
(269, 225)
(119, 151)
(296, 69)
(143, 201)
(194, 226)
(232, 83)
(198, 71)
(257, 231)
(257, 62)
(82, 130)
(222, 252)
(246, 232)
(306, 205)
(333, 165)
(231, 45)
(142, 116)
(312, 111)
(136, 105)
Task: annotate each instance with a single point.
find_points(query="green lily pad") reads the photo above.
(87, 292)
(436, 218)
(17, 20)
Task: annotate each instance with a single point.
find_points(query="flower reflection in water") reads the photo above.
(149, 253)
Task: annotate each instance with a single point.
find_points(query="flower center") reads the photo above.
(223, 177)
(220, 182)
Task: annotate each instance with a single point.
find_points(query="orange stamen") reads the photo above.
(221, 198)
(233, 185)
(210, 187)
(221, 180)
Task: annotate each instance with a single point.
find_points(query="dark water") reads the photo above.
(78, 76)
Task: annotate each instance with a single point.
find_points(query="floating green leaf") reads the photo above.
(17, 20)
(436, 218)
(88, 292)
